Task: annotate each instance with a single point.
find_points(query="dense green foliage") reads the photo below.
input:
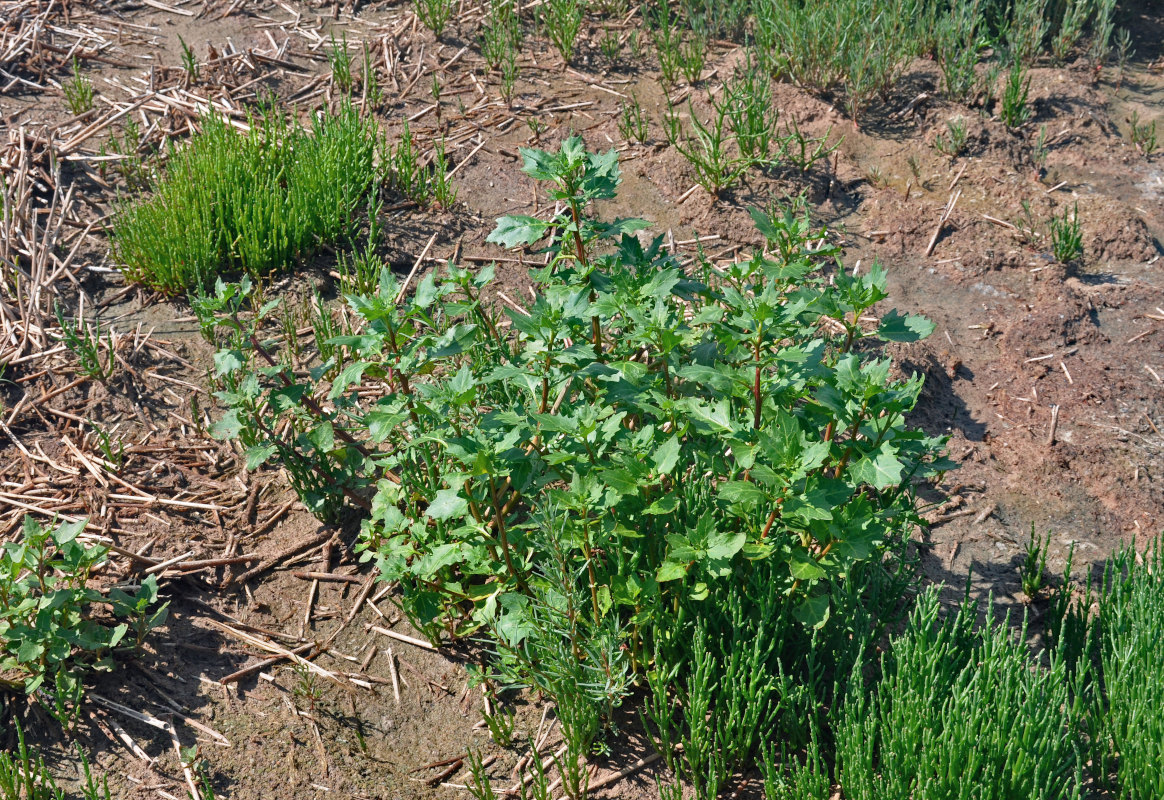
(49, 631)
(960, 712)
(1129, 724)
(594, 478)
(251, 203)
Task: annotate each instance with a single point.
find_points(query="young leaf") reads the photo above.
(896, 327)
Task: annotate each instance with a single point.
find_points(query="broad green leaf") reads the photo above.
(666, 456)
(813, 612)
(896, 327)
(804, 568)
(258, 455)
(743, 493)
(448, 503)
(671, 571)
(517, 229)
(881, 469)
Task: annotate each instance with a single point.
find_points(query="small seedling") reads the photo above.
(632, 123)
(114, 453)
(562, 20)
(536, 128)
(609, 45)
(1034, 566)
(804, 151)
(480, 786)
(708, 150)
(434, 14)
(1143, 134)
(85, 342)
(25, 776)
(78, 91)
(189, 61)
(340, 59)
(1040, 151)
(1123, 53)
(1067, 236)
(501, 724)
(1015, 111)
(306, 686)
(668, 40)
(953, 144)
(373, 94)
(692, 57)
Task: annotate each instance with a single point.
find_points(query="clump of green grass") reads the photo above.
(78, 91)
(1067, 236)
(251, 203)
(1131, 618)
(960, 712)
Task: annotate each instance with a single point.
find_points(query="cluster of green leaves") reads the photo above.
(567, 476)
(48, 631)
(251, 203)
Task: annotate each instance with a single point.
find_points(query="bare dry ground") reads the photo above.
(1049, 380)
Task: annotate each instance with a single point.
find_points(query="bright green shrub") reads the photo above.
(586, 476)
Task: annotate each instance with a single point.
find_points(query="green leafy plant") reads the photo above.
(588, 478)
(1067, 236)
(434, 14)
(85, 342)
(48, 632)
(251, 203)
(953, 144)
(78, 91)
